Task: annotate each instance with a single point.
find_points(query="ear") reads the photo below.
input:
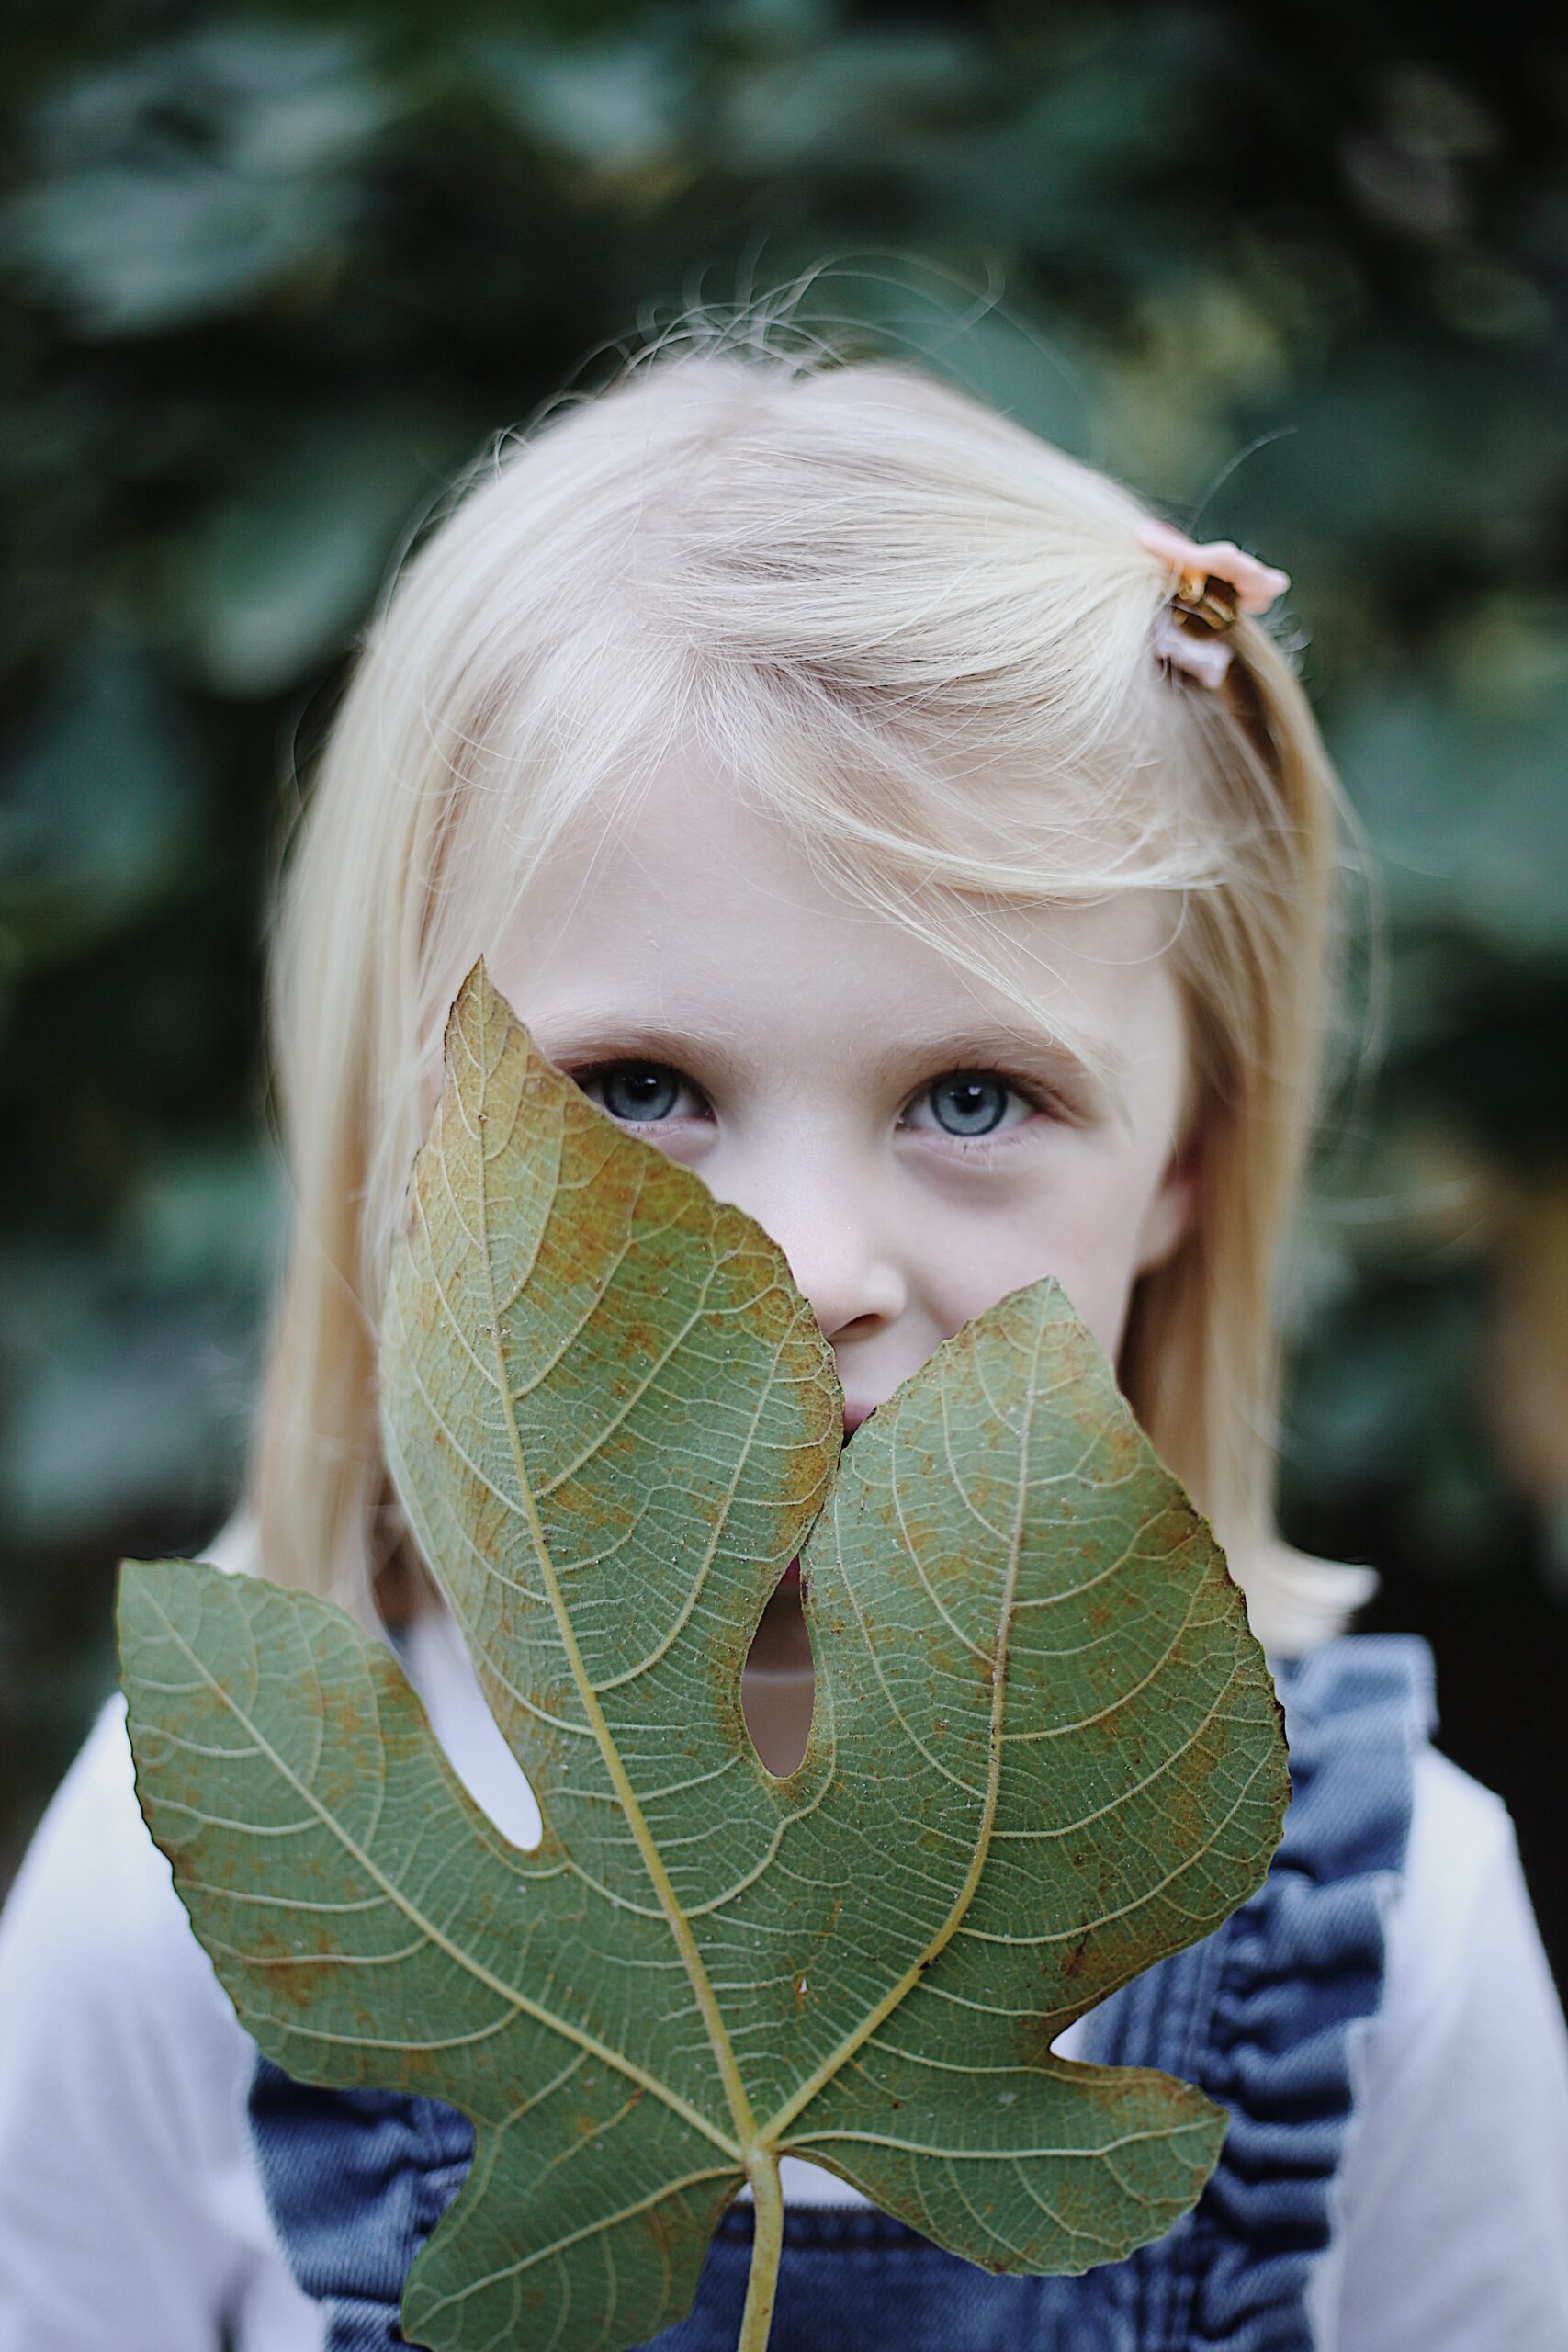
(1170, 1213)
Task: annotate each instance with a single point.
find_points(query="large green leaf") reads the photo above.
(1046, 1749)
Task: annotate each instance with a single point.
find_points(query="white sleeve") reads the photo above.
(1452, 2203)
(131, 2211)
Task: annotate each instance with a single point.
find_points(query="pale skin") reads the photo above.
(914, 1145)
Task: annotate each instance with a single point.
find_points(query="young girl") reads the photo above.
(872, 808)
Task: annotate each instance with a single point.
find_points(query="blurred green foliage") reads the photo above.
(268, 277)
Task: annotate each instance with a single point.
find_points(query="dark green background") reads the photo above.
(269, 277)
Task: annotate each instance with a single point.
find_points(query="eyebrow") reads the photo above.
(980, 1045)
(604, 1036)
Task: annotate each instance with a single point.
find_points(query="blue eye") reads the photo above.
(969, 1102)
(640, 1093)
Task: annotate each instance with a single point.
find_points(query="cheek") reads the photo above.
(1083, 1231)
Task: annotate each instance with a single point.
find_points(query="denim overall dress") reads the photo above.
(1260, 2015)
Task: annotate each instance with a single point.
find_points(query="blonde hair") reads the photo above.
(921, 636)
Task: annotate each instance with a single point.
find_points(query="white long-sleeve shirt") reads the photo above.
(131, 2209)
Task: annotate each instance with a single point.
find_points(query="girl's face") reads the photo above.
(915, 1149)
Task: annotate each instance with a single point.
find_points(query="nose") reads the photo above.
(852, 1294)
(839, 1251)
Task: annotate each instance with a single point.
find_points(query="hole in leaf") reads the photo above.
(778, 1682)
(442, 1671)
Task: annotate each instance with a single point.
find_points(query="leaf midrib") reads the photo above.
(752, 2139)
(652, 1860)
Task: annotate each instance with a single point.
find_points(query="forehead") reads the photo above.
(693, 903)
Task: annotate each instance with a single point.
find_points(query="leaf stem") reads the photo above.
(767, 2247)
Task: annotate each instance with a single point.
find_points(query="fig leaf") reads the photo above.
(1045, 1750)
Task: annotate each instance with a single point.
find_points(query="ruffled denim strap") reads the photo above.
(357, 2181)
(1261, 2014)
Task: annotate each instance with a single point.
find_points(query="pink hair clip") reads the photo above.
(1214, 584)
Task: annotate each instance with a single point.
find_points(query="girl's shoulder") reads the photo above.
(1455, 2173)
(123, 2076)
(92, 1881)
(130, 2185)
(93, 1884)
(1372, 1786)
(1462, 1849)
(1363, 1710)
(101, 1976)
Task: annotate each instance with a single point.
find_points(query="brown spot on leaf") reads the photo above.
(1073, 1964)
